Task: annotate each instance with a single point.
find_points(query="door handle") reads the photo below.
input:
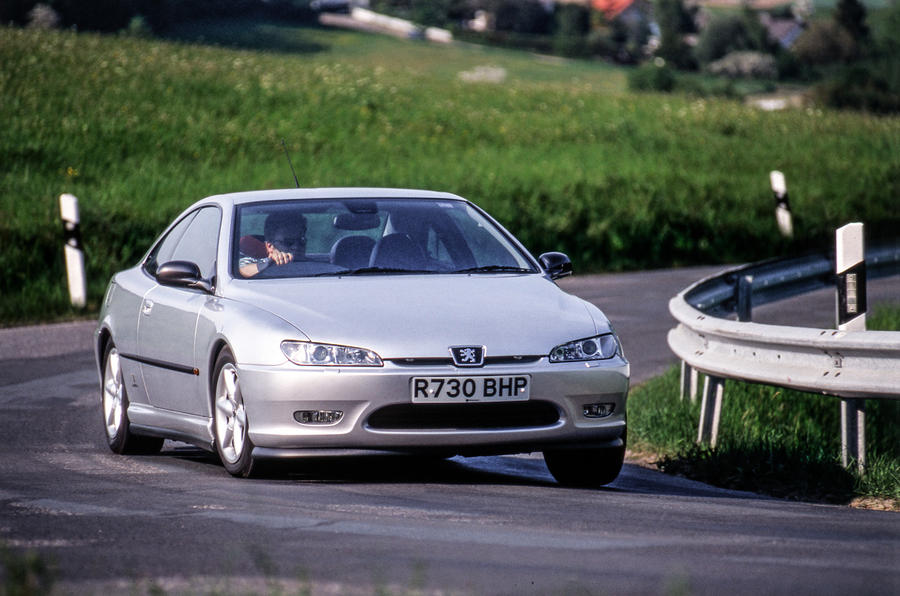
(147, 307)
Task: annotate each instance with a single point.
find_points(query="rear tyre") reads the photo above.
(114, 401)
(231, 428)
(585, 468)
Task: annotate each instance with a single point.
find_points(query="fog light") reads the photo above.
(598, 410)
(318, 416)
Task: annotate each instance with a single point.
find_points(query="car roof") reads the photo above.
(285, 194)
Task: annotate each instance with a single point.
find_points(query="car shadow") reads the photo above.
(502, 470)
(383, 468)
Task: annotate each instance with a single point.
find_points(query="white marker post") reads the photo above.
(68, 211)
(850, 267)
(783, 216)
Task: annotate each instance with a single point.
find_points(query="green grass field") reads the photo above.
(559, 152)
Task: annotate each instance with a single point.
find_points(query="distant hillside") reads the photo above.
(558, 151)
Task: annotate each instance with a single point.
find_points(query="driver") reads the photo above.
(285, 241)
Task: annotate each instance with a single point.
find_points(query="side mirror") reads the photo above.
(182, 274)
(556, 264)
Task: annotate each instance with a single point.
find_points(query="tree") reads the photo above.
(573, 23)
(851, 15)
(522, 16)
(825, 42)
(733, 33)
(674, 21)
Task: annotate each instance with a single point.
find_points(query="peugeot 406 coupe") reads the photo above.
(284, 323)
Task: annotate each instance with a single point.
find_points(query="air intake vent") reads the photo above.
(528, 414)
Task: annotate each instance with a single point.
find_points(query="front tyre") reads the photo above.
(114, 400)
(231, 429)
(585, 468)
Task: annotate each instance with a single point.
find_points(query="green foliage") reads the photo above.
(25, 573)
(521, 16)
(851, 15)
(674, 22)
(857, 71)
(771, 440)
(158, 15)
(886, 30)
(433, 13)
(825, 42)
(884, 317)
(746, 65)
(730, 32)
(138, 27)
(860, 87)
(650, 77)
(560, 153)
(572, 24)
(572, 20)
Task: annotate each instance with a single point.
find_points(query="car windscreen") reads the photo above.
(306, 238)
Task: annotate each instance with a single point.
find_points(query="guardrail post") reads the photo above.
(711, 409)
(850, 267)
(853, 433)
(68, 211)
(783, 216)
(745, 298)
(688, 381)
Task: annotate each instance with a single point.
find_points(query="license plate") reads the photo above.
(436, 390)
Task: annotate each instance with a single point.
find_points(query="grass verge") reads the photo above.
(772, 440)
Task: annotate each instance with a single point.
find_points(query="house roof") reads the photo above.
(611, 8)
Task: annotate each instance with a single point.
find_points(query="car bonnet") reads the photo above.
(421, 316)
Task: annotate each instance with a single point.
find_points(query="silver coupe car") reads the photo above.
(284, 323)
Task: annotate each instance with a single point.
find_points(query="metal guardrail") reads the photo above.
(853, 365)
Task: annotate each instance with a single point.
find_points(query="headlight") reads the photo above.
(600, 347)
(310, 354)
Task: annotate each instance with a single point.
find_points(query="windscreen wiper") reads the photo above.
(494, 269)
(371, 270)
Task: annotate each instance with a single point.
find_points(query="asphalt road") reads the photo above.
(177, 522)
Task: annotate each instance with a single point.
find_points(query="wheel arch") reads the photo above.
(104, 338)
(217, 347)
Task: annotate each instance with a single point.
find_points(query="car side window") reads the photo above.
(195, 238)
(164, 249)
(200, 240)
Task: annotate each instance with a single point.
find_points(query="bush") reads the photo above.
(745, 65)
(43, 16)
(859, 88)
(851, 15)
(572, 26)
(651, 77)
(138, 27)
(825, 42)
(674, 21)
(732, 33)
(432, 13)
(522, 16)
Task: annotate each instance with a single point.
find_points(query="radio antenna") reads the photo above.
(283, 144)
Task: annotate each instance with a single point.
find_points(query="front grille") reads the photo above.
(470, 416)
(488, 361)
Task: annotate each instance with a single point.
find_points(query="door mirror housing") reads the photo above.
(556, 264)
(182, 274)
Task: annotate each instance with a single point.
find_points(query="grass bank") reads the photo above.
(558, 151)
(772, 440)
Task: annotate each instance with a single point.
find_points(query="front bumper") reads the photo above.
(272, 394)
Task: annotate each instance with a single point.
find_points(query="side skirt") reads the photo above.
(177, 426)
